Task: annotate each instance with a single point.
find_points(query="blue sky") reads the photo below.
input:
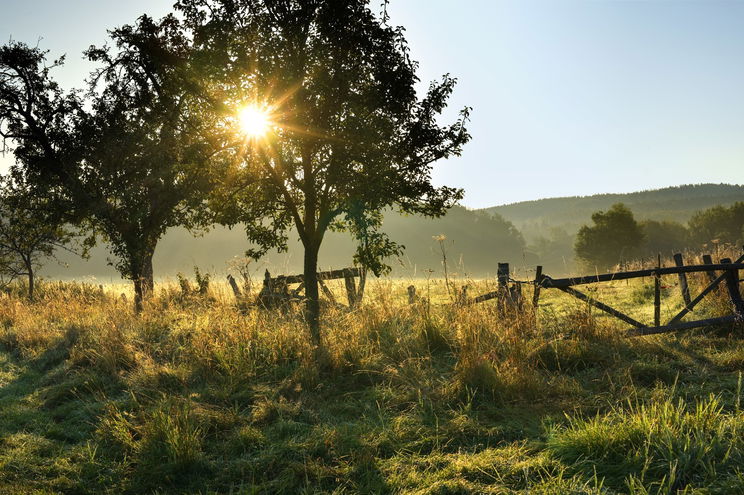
(569, 97)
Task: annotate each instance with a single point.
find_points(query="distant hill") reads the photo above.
(475, 242)
(523, 234)
(536, 218)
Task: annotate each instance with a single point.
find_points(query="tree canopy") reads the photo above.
(347, 133)
(31, 231)
(129, 157)
(664, 237)
(720, 223)
(614, 237)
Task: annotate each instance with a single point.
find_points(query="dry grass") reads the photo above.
(195, 396)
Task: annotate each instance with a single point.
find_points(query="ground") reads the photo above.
(196, 396)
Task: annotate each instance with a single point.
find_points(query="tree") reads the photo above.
(151, 147)
(664, 237)
(30, 232)
(131, 157)
(725, 224)
(615, 236)
(348, 136)
(554, 252)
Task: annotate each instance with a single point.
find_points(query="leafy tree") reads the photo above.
(664, 237)
(614, 236)
(554, 252)
(130, 158)
(348, 135)
(30, 233)
(726, 224)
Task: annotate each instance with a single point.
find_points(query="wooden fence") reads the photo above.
(276, 291)
(509, 291)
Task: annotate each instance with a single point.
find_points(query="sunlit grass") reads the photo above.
(205, 394)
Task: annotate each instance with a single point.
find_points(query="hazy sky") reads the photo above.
(569, 97)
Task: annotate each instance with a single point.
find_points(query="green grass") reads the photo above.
(194, 396)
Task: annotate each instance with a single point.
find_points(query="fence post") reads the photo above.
(536, 293)
(234, 286)
(657, 295)
(515, 296)
(411, 294)
(351, 293)
(732, 283)
(327, 291)
(502, 276)
(682, 279)
(461, 295)
(707, 260)
(360, 288)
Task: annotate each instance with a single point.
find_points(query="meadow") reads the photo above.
(196, 395)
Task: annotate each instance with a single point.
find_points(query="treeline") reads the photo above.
(535, 219)
(474, 242)
(616, 236)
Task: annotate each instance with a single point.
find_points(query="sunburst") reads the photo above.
(255, 121)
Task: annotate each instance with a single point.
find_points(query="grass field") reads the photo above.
(194, 396)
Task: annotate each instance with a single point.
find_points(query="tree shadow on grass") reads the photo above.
(46, 414)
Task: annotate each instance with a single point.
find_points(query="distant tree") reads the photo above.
(348, 134)
(615, 236)
(555, 252)
(30, 233)
(721, 223)
(474, 238)
(131, 158)
(664, 237)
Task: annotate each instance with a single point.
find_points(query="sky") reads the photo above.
(569, 97)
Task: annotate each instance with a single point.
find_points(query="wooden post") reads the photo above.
(351, 293)
(234, 286)
(515, 296)
(707, 260)
(461, 298)
(682, 279)
(711, 287)
(657, 296)
(327, 292)
(411, 294)
(732, 284)
(362, 282)
(536, 293)
(502, 276)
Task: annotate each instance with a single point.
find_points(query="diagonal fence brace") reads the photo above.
(607, 309)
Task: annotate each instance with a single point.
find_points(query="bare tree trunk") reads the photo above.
(144, 283)
(312, 303)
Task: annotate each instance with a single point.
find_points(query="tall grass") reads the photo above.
(666, 446)
(197, 396)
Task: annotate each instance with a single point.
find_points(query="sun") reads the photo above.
(254, 121)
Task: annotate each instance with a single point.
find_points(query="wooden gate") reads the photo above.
(729, 274)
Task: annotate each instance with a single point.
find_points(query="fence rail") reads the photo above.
(509, 292)
(609, 277)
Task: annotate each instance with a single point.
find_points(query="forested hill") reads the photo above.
(474, 242)
(536, 218)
